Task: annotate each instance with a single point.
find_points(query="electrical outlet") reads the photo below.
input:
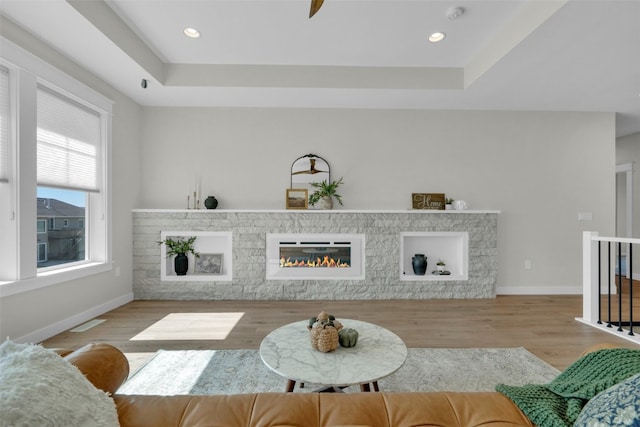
(118, 271)
(527, 264)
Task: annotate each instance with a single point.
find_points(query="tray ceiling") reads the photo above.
(540, 55)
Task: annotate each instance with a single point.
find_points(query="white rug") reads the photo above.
(426, 369)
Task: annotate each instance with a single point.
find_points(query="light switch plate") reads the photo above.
(585, 216)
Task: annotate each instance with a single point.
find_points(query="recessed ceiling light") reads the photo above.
(437, 37)
(191, 32)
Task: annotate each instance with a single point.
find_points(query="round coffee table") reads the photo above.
(379, 352)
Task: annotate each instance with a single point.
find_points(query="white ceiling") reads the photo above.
(551, 55)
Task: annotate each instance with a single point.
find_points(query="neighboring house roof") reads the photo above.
(55, 208)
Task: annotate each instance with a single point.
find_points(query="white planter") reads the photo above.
(326, 203)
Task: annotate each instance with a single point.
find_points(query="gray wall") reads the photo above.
(628, 151)
(539, 168)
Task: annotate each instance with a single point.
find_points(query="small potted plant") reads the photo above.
(180, 248)
(440, 265)
(448, 203)
(325, 193)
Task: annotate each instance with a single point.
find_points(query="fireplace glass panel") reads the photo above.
(315, 256)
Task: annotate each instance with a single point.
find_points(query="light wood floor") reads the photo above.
(544, 325)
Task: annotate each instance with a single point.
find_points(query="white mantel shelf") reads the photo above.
(322, 211)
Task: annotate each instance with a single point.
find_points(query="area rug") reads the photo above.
(426, 369)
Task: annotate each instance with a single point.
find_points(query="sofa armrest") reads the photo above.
(104, 365)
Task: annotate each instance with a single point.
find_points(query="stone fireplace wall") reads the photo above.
(382, 251)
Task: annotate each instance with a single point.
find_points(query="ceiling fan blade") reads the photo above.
(315, 6)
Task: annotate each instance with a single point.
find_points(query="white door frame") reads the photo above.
(627, 170)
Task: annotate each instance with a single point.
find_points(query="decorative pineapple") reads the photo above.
(324, 331)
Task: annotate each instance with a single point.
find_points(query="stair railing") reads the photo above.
(601, 259)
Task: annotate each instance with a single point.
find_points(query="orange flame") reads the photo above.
(324, 262)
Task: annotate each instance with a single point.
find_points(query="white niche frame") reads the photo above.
(450, 246)
(207, 242)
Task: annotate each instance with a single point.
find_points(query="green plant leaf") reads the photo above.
(325, 189)
(180, 246)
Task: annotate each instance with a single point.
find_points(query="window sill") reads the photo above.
(53, 277)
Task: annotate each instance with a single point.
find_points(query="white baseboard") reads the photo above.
(539, 290)
(613, 331)
(70, 322)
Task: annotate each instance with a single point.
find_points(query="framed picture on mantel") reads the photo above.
(297, 198)
(434, 201)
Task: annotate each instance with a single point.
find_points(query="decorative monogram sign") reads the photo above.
(428, 201)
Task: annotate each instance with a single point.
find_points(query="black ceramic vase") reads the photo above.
(419, 264)
(181, 264)
(211, 202)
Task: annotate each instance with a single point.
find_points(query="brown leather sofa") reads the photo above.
(107, 368)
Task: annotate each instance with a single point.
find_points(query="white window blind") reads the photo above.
(5, 118)
(69, 140)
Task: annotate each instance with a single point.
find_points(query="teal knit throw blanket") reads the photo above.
(559, 403)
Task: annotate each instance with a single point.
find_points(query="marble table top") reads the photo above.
(379, 352)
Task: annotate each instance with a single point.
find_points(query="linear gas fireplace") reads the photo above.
(315, 256)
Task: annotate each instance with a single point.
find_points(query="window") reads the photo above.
(68, 165)
(66, 237)
(61, 155)
(42, 252)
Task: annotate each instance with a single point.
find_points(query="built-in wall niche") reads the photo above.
(451, 247)
(214, 263)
